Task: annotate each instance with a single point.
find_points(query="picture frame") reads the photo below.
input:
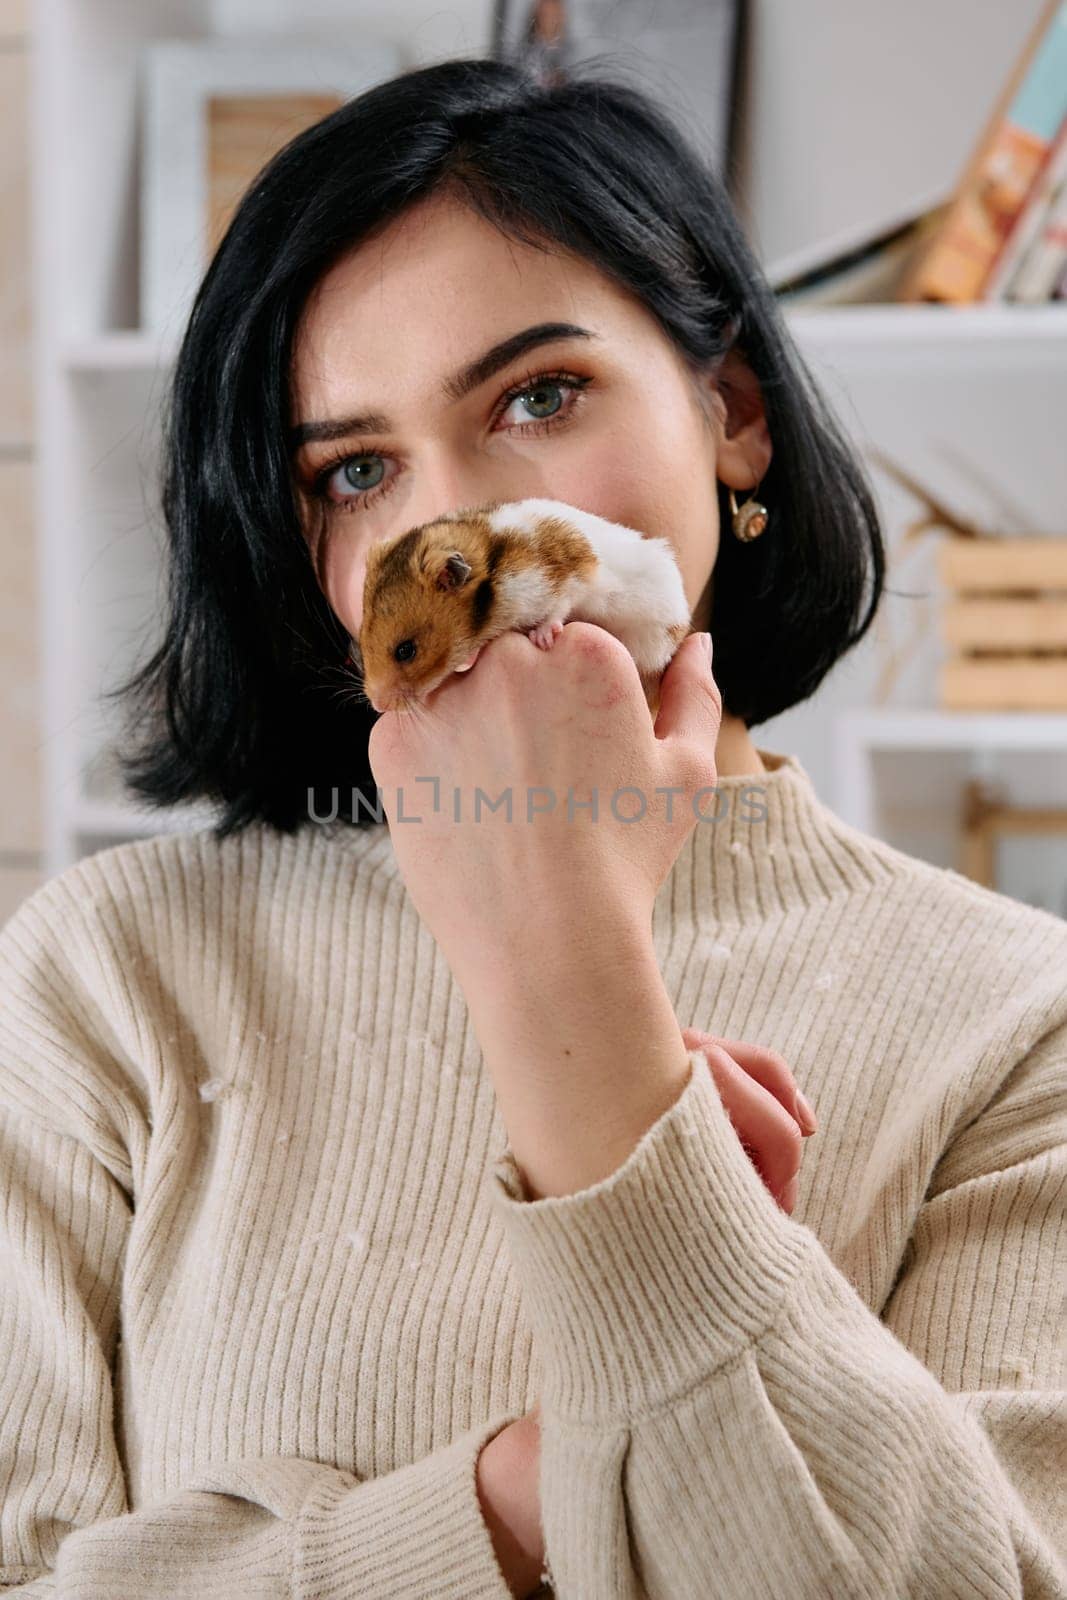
(686, 53)
(184, 82)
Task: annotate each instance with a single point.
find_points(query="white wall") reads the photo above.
(427, 31)
(858, 109)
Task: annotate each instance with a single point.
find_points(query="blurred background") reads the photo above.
(901, 169)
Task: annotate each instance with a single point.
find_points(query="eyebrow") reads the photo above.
(454, 388)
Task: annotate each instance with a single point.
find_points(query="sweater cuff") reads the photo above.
(641, 1285)
(417, 1530)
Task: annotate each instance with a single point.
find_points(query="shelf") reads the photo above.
(948, 345)
(919, 324)
(978, 737)
(830, 328)
(114, 818)
(955, 730)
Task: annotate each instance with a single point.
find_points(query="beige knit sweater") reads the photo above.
(269, 1280)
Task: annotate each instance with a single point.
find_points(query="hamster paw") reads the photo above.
(545, 634)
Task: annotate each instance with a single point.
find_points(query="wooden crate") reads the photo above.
(1005, 622)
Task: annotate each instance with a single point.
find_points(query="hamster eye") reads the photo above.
(405, 650)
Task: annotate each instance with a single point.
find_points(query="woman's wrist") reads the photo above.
(585, 1054)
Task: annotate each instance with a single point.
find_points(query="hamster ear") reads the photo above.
(454, 573)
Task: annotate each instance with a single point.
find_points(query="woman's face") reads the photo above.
(407, 328)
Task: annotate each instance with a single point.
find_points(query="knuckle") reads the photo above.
(698, 766)
(593, 642)
(514, 657)
(584, 635)
(794, 1142)
(778, 1062)
(512, 645)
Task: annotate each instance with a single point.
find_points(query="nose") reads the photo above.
(382, 699)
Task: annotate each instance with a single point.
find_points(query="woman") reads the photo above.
(383, 1216)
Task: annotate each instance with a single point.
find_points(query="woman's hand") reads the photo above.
(561, 729)
(508, 1479)
(770, 1116)
(545, 914)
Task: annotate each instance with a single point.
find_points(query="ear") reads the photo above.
(743, 440)
(454, 573)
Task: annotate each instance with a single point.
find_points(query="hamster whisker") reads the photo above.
(349, 694)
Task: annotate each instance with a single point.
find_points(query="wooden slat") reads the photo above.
(1003, 563)
(994, 624)
(1005, 685)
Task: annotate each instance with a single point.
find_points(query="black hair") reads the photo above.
(243, 704)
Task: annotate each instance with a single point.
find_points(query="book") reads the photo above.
(998, 179)
(1040, 269)
(1030, 223)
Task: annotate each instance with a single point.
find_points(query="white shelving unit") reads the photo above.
(969, 399)
(980, 736)
(99, 379)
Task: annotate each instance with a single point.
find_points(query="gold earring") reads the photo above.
(749, 520)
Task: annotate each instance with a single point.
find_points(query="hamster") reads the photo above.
(436, 595)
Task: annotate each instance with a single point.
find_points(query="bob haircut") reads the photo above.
(245, 703)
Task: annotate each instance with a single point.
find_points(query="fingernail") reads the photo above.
(807, 1115)
(705, 639)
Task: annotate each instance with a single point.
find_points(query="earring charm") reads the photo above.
(749, 520)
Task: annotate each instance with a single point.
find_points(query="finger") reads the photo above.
(690, 705)
(775, 1073)
(767, 1067)
(764, 1126)
(765, 1129)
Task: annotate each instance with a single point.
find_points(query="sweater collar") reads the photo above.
(769, 844)
(766, 844)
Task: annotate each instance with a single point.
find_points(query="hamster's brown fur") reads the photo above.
(439, 587)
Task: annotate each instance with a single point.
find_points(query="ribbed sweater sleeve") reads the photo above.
(271, 1525)
(723, 1415)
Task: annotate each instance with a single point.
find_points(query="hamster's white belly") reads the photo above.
(636, 592)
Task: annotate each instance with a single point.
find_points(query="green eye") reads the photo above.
(356, 466)
(531, 396)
